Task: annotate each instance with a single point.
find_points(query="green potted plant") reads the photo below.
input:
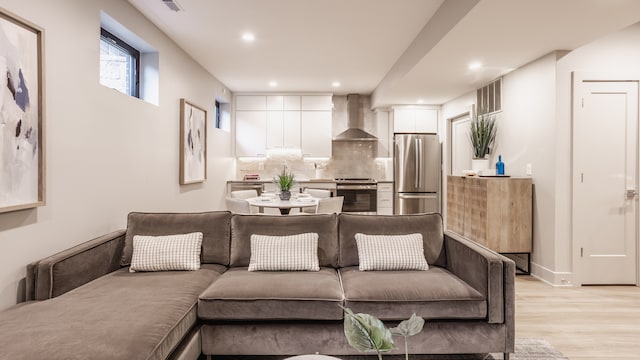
(482, 134)
(366, 332)
(285, 182)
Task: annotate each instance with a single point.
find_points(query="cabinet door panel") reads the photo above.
(404, 121)
(292, 102)
(426, 121)
(291, 124)
(251, 128)
(316, 133)
(251, 102)
(317, 102)
(275, 129)
(275, 102)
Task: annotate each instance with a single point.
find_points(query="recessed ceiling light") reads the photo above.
(273, 83)
(335, 84)
(475, 66)
(248, 37)
(420, 101)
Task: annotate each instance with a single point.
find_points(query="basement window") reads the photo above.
(127, 62)
(119, 64)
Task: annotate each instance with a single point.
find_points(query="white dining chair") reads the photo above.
(244, 194)
(330, 205)
(316, 193)
(237, 205)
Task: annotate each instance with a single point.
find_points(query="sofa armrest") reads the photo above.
(486, 271)
(68, 269)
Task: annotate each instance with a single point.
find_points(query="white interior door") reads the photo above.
(605, 168)
(461, 151)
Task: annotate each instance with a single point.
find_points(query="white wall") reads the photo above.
(526, 135)
(617, 53)
(106, 153)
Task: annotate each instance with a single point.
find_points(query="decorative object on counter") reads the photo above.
(285, 182)
(193, 143)
(482, 134)
(22, 153)
(499, 166)
(251, 177)
(319, 170)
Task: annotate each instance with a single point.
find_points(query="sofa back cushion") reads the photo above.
(429, 225)
(215, 227)
(243, 226)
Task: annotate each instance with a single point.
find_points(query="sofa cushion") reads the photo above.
(169, 252)
(429, 225)
(395, 295)
(275, 295)
(243, 226)
(214, 226)
(391, 252)
(121, 315)
(290, 253)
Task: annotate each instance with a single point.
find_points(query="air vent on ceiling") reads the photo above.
(172, 4)
(489, 98)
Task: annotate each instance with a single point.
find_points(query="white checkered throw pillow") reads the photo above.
(284, 253)
(170, 252)
(391, 252)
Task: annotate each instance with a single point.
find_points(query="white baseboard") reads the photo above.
(553, 278)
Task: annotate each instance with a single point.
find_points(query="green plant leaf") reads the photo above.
(482, 135)
(410, 327)
(365, 332)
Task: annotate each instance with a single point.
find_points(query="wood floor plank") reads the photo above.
(584, 323)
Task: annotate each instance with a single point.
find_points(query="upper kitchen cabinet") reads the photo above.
(316, 133)
(316, 103)
(415, 120)
(251, 127)
(251, 103)
(383, 134)
(283, 129)
(292, 102)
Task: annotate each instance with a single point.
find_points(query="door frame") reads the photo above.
(446, 153)
(577, 78)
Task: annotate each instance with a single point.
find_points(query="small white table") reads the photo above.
(285, 206)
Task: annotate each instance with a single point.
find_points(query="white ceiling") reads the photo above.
(400, 50)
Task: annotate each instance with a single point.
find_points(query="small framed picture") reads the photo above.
(193, 143)
(22, 174)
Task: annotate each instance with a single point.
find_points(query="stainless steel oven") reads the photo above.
(360, 195)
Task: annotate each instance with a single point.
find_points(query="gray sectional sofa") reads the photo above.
(85, 304)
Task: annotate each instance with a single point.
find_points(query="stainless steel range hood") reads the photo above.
(355, 122)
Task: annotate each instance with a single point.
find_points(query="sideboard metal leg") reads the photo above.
(506, 356)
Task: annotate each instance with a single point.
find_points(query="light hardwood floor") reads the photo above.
(589, 322)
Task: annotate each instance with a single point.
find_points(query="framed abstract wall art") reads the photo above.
(21, 115)
(193, 143)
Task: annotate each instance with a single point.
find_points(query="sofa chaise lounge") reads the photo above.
(85, 304)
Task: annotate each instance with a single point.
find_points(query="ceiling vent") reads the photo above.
(173, 5)
(489, 98)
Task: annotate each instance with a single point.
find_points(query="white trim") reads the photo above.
(553, 278)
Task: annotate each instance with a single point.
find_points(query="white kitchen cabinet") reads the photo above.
(275, 102)
(317, 103)
(415, 120)
(251, 102)
(251, 127)
(385, 199)
(382, 132)
(283, 129)
(316, 133)
(292, 102)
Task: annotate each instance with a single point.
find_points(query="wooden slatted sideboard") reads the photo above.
(493, 211)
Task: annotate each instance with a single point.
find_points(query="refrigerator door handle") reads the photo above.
(416, 160)
(420, 174)
(417, 196)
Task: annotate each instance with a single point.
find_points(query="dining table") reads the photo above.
(285, 206)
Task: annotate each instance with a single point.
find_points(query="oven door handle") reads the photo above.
(357, 187)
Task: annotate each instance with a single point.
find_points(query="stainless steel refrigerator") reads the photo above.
(417, 172)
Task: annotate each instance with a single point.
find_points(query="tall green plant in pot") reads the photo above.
(482, 134)
(285, 182)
